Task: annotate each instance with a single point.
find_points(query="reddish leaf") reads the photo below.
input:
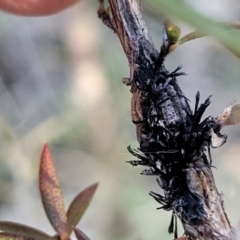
(51, 194)
(80, 235)
(17, 228)
(35, 7)
(79, 205)
(12, 236)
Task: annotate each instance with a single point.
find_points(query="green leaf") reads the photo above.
(17, 228)
(51, 194)
(79, 204)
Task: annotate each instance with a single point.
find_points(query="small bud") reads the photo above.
(172, 32)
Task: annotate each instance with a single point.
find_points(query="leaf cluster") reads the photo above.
(64, 222)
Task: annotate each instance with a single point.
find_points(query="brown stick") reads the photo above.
(127, 22)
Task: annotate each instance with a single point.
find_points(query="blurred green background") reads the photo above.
(60, 81)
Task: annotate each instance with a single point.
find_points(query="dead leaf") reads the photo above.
(79, 204)
(51, 194)
(217, 140)
(230, 115)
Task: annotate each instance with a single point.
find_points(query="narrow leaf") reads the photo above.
(51, 194)
(79, 204)
(17, 228)
(12, 236)
(80, 235)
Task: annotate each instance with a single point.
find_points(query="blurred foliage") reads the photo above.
(180, 9)
(60, 81)
(64, 222)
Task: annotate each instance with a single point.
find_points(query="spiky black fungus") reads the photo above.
(172, 140)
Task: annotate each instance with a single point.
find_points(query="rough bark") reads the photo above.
(173, 140)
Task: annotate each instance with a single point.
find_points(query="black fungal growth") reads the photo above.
(173, 139)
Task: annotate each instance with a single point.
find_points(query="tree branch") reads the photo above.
(172, 138)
